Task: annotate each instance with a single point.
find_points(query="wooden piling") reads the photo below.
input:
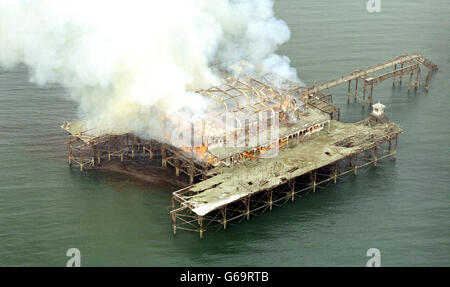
(348, 92)
(163, 156)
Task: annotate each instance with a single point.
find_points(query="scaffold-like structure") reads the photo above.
(225, 162)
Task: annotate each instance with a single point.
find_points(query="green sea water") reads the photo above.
(402, 208)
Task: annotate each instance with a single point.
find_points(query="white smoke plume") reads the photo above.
(127, 62)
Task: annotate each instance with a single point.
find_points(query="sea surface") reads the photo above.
(402, 207)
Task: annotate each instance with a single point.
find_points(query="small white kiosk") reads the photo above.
(378, 109)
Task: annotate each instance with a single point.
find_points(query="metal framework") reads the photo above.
(302, 112)
(238, 98)
(324, 103)
(403, 65)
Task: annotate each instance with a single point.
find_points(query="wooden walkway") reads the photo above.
(404, 64)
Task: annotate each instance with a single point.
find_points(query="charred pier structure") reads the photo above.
(240, 117)
(259, 147)
(257, 186)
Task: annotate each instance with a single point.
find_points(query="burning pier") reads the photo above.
(257, 186)
(259, 147)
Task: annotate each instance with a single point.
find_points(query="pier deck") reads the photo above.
(330, 152)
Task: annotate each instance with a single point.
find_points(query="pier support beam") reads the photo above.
(191, 172)
(427, 81)
(371, 95)
(395, 147)
(177, 167)
(120, 149)
(200, 223)
(150, 149)
(109, 148)
(335, 173)
(410, 80)
(375, 154)
(314, 178)
(270, 199)
(248, 207)
(163, 156)
(133, 139)
(394, 77)
(99, 153)
(348, 91)
(70, 150)
(92, 148)
(224, 214)
(292, 183)
(364, 96)
(174, 217)
(417, 82)
(401, 75)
